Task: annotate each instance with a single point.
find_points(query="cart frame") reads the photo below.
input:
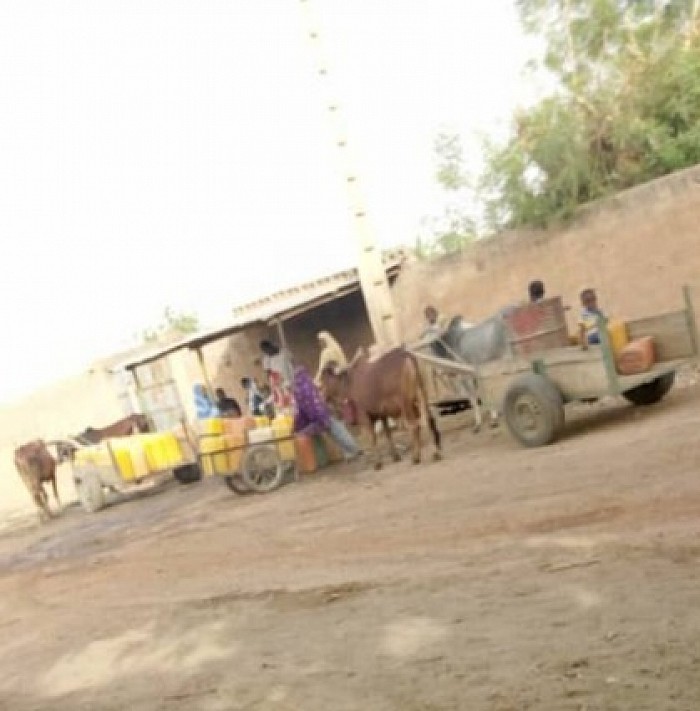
(539, 385)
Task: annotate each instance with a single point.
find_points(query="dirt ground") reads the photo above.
(562, 578)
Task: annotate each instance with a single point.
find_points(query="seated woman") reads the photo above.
(204, 406)
(312, 415)
(228, 406)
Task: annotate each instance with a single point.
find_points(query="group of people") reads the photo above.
(221, 406)
(289, 389)
(588, 316)
(435, 325)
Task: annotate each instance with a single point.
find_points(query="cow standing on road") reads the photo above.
(36, 466)
(389, 387)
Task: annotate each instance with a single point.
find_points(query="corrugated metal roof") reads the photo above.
(149, 355)
(280, 305)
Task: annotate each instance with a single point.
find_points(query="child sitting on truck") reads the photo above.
(588, 320)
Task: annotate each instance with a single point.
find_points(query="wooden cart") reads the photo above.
(257, 467)
(92, 480)
(530, 392)
(253, 467)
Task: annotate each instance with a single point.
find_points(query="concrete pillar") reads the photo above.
(373, 280)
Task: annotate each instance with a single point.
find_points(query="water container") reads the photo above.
(154, 449)
(638, 356)
(320, 451)
(211, 426)
(122, 455)
(137, 452)
(101, 455)
(283, 424)
(235, 444)
(333, 450)
(282, 427)
(306, 456)
(260, 434)
(238, 426)
(172, 451)
(214, 463)
(617, 332)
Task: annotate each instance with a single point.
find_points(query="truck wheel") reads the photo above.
(534, 410)
(262, 469)
(90, 491)
(653, 392)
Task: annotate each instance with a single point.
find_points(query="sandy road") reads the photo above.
(501, 578)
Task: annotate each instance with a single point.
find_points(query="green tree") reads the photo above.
(626, 108)
(173, 321)
(454, 229)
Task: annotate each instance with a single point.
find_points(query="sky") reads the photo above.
(177, 153)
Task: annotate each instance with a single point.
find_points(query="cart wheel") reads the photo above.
(653, 392)
(262, 468)
(237, 485)
(534, 410)
(90, 491)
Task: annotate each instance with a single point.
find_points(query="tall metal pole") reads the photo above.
(373, 280)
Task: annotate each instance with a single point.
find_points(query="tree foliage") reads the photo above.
(454, 229)
(626, 107)
(179, 322)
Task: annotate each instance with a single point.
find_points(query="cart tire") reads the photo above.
(534, 410)
(237, 485)
(262, 469)
(653, 392)
(90, 491)
(187, 473)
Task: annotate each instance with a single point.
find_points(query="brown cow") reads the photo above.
(389, 387)
(121, 428)
(36, 466)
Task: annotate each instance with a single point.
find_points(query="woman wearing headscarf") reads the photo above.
(203, 403)
(331, 354)
(313, 417)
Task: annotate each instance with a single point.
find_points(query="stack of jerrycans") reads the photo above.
(315, 452)
(279, 431)
(212, 446)
(283, 432)
(235, 438)
(135, 456)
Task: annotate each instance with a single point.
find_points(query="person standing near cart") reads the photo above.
(256, 402)
(312, 416)
(277, 365)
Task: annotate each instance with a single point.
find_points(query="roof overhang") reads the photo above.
(264, 313)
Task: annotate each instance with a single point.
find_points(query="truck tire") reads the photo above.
(90, 491)
(653, 392)
(534, 410)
